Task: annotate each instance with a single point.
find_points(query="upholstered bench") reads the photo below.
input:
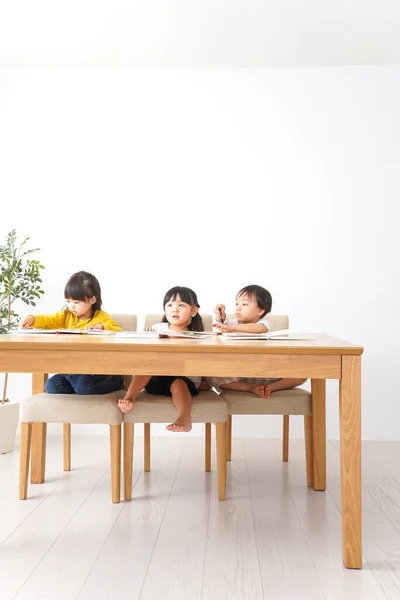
(71, 408)
(151, 320)
(286, 402)
(74, 408)
(296, 401)
(207, 407)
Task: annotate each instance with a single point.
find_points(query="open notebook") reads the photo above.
(192, 335)
(281, 335)
(79, 331)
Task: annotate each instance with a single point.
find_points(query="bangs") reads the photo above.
(185, 294)
(250, 295)
(75, 291)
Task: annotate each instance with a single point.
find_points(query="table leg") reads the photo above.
(309, 450)
(350, 460)
(67, 446)
(207, 465)
(318, 394)
(39, 430)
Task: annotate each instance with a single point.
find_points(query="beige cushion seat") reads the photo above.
(74, 408)
(150, 320)
(66, 408)
(207, 407)
(285, 402)
(288, 402)
(295, 401)
(149, 408)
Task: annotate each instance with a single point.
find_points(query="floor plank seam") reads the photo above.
(254, 520)
(40, 503)
(206, 537)
(100, 551)
(31, 513)
(161, 522)
(371, 566)
(381, 464)
(62, 530)
(364, 557)
(305, 539)
(123, 507)
(28, 559)
(382, 509)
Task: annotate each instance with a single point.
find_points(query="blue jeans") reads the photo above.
(83, 384)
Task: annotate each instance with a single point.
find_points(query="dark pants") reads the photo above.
(160, 385)
(83, 384)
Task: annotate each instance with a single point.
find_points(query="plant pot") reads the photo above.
(9, 416)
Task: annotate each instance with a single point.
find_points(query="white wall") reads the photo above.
(216, 179)
(198, 33)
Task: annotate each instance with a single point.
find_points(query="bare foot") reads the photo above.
(258, 390)
(267, 391)
(183, 423)
(126, 404)
(204, 385)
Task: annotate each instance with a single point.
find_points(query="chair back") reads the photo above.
(278, 322)
(127, 322)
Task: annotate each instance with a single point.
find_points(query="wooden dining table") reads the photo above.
(319, 358)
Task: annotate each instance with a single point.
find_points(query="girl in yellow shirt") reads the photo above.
(83, 311)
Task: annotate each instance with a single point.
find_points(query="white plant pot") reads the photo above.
(9, 416)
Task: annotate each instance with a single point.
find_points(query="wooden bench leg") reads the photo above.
(221, 433)
(309, 450)
(38, 450)
(229, 440)
(115, 449)
(67, 446)
(26, 434)
(39, 430)
(128, 459)
(147, 447)
(207, 465)
(318, 392)
(285, 438)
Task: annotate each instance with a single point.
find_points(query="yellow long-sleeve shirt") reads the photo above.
(66, 320)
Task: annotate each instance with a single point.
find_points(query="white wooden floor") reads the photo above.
(272, 538)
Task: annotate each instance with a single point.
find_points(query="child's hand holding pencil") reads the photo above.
(220, 313)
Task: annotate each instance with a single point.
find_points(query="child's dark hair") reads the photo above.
(262, 297)
(186, 295)
(82, 286)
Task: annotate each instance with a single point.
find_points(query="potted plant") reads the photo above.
(19, 280)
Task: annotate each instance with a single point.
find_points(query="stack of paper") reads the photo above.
(80, 331)
(281, 335)
(192, 335)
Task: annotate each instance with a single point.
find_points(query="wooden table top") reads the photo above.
(320, 344)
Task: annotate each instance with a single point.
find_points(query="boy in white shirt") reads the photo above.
(253, 303)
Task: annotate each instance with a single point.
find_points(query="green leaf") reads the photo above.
(19, 277)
